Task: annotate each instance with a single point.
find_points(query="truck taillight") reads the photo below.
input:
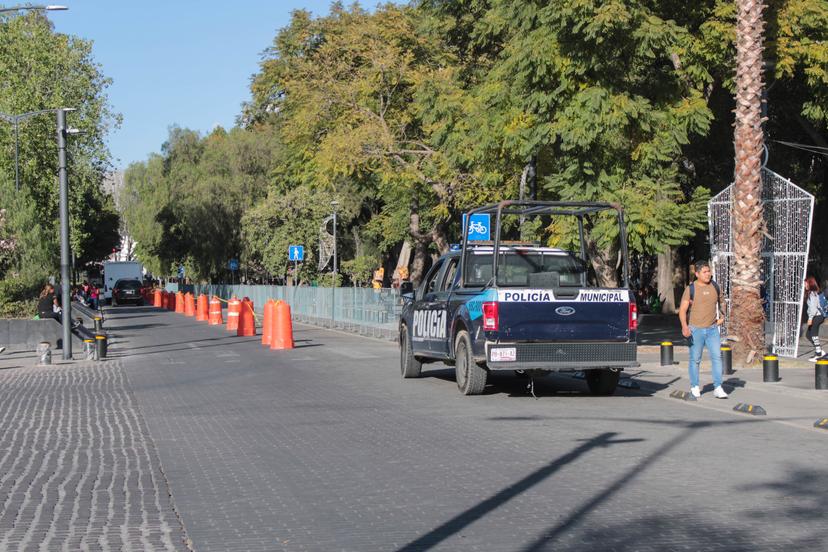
(490, 316)
(633, 316)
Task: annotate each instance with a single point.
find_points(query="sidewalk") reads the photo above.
(792, 400)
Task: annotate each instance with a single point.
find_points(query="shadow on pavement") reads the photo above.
(559, 384)
(464, 519)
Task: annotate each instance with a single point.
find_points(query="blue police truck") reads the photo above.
(523, 305)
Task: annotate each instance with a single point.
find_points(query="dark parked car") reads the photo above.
(127, 291)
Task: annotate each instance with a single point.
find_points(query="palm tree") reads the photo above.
(747, 315)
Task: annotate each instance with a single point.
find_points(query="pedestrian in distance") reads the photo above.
(47, 303)
(701, 313)
(94, 297)
(817, 311)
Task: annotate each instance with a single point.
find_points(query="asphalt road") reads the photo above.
(325, 447)
(192, 438)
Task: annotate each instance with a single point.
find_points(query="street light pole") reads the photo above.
(333, 284)
(66, 301)
(16, 120)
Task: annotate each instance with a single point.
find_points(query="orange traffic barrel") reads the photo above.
(267, 322)
(179, 302)
(156, 298)
(189, 304)
(215, 312)
(247, 321)
(164, 300)
(282, 327)
(233, 310)
(201, 308)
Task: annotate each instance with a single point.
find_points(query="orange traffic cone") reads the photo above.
(189, 304)
(233, 310)
(201, 308)
(267, 322)
(156, 298)
(179, 302)
(247, 321)
(282, 327)
(215, 312)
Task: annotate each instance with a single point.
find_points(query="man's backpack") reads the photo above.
(715, 286)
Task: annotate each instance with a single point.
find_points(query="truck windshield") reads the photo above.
(535, 268)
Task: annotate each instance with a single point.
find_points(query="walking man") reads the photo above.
(701, 327)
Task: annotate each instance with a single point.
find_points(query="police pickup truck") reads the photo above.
(530, 308)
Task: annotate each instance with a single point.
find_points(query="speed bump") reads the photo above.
(822, 423)
(752, 409)
(682, 395)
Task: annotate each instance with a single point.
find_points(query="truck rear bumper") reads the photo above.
(558, 357)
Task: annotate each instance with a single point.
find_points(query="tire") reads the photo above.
(471, 377)
(140, 303)
(410, 367)
(602, 382)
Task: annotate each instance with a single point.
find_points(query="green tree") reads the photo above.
(43, 69)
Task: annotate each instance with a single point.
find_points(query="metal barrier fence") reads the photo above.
(369, 312)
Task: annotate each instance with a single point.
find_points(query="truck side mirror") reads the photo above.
(406, 288)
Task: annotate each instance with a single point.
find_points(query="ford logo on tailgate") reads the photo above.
(565, 311)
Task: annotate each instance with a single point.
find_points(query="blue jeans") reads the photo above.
(705, 337)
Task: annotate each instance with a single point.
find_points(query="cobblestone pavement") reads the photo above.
(78, 470)
(325, 447)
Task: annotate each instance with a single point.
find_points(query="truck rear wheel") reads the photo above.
(410, 367)
(602, 382)
(471, 377)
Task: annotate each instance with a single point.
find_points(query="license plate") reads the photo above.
(129, 292)
(504, 354)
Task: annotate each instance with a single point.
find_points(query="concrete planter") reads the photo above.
(26, 334)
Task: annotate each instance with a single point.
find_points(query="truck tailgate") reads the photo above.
(574, 315)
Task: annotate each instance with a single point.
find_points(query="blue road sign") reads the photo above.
(296, 252)
(233, 264)
(479, 228)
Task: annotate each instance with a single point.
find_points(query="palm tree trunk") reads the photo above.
(747, 316)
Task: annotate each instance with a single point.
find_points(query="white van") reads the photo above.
(119, 270)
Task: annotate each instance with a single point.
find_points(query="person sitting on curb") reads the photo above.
(702, 328)
(47, 304)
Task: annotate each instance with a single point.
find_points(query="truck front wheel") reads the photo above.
(602, 382)
(410, 367)
(471, 377)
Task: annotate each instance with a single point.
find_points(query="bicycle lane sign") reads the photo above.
(479, 228)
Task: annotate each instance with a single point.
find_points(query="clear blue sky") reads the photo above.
(177, 61)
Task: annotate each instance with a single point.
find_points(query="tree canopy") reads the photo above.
(45, 70)
(407, 116)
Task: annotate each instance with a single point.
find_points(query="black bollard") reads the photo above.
(727, 361)
(666, 353)
(98, 324)
(821, 375)
(770, 369)
(100, 347)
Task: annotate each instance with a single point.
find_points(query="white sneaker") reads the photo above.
(814, 358)
(695, 392)
(2, 349)
(719, 393)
